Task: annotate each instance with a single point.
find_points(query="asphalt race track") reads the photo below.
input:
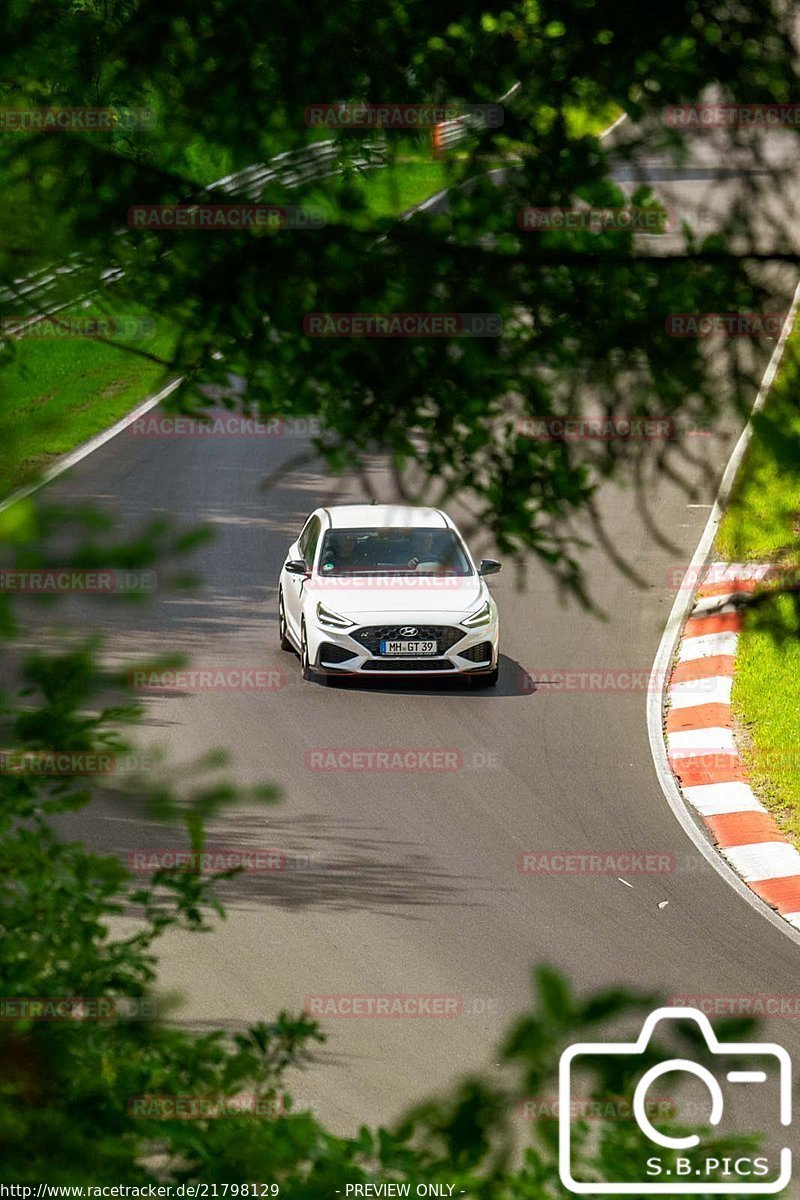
(408, 882)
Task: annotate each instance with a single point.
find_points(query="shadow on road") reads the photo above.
(314, 860)
(513, 681)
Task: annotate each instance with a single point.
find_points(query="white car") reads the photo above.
(383, 589)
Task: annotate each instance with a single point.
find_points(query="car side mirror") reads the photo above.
(489, 566)
(297, 566)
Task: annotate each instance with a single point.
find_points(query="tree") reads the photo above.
(583, 312)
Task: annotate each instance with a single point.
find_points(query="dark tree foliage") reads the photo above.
(583, 313)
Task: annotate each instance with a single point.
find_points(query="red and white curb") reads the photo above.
(702, 751)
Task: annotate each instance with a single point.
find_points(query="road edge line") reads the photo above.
(86, 448)
(681, 608)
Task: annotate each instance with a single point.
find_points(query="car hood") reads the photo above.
(404, 597)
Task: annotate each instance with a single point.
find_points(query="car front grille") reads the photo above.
(371, 636)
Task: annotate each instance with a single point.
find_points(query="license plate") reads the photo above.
(404, 647)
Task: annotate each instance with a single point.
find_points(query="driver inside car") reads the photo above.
(424, 552)
(345, 554)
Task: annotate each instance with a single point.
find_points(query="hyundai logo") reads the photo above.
(409, 631)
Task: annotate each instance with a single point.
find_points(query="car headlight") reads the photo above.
(482, 617)
(326, 616)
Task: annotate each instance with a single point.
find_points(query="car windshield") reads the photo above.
(393, 551)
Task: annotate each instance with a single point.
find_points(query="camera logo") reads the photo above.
(676, 1171)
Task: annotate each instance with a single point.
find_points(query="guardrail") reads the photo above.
(295, 167)
(290, 169)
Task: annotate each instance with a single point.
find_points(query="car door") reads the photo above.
(295, 584)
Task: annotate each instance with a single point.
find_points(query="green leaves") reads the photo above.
(582, 312)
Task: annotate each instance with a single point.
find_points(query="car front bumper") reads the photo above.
(467, 652)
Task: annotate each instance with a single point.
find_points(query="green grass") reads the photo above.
(763, 524)
(761, 520)
(57, 393)
(581, 122)
(766, 707)
(381, 192)
(391, 190)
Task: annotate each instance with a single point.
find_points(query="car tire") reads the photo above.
(486, 681)
(305, 666)
(285, 644)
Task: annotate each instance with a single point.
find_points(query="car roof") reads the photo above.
(382, 516)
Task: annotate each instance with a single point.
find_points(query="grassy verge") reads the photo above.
(763, 524)
(387, 191)
(58, 392)
(581, 122)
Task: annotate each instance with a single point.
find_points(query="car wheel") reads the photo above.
(486, 681)
(284, 641)
(305, 666)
